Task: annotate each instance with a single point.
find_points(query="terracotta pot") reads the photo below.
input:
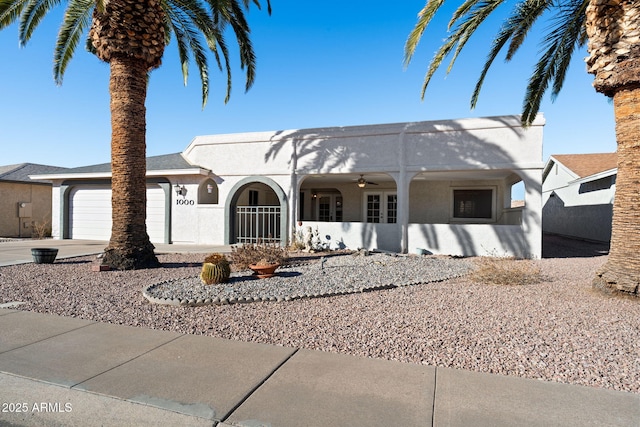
(264, 271)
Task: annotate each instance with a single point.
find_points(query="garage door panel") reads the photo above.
(155, 214)
(90, 213)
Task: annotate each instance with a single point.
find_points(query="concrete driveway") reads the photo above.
(19, 251)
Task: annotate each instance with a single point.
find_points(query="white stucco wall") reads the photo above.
(402, 150)
(421, 162)
(466, 144)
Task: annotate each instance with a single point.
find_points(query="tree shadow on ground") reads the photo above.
(180, 264)
(554, 246)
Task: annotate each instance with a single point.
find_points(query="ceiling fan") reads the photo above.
(363, 182)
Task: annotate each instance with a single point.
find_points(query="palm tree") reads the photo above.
(611, 31)
(131, 36)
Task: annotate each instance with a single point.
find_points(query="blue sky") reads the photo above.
(332, 63)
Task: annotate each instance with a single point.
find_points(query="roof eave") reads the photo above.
(595, 176)
(95, 175)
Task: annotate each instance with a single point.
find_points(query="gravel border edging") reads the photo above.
(225, 301)
(344, 275)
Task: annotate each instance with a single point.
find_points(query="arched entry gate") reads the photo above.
(256, 211)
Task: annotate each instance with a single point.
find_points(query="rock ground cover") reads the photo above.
(556, 330)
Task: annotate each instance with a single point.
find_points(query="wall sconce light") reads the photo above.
(209, 188)
(314, 195)
(180, 190)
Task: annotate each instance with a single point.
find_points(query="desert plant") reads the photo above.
(216, 269)
(215, 258)
(252, 253)
(297, 240)
(40, 229)
(506, 271)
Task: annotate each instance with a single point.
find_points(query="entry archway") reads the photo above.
(251, 220)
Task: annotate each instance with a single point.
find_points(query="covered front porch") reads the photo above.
(465, 213)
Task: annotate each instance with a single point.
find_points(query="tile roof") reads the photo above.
(588, 164)
(21, 172)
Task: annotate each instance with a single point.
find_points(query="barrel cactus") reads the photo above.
(215, 269)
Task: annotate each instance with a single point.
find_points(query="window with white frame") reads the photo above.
(476, 204)
(380, 207)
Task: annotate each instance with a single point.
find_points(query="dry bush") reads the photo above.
(506, 271)
(252, 253)
(297, 241)
(40, 229)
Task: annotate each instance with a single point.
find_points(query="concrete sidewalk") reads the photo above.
(70, 372)
(19, 251)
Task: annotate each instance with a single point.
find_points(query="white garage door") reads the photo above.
(90, 213)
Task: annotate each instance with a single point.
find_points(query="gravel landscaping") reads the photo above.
(326, 276)
(557, 330)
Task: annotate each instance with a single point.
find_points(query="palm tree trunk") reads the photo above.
(129, 246)
(622, 271)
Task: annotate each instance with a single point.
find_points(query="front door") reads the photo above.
(329, 208)
(381, 207)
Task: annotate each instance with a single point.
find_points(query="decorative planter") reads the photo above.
(44, 255)
(263, 271)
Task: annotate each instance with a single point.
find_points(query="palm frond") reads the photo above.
(468, 26)
(525, 15)
(171, 27)
(247, 55)
(515, 29)
(32, 16)
(186, 19)
(225, 54)
(77, 19)
(197, 25)
(461, 11)
(456, 41)
(10, 10)
(552, 66)
(211, 24)
(424, 18)
(258, 5)
(572, 27)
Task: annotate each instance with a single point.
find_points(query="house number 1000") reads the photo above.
(185, 202)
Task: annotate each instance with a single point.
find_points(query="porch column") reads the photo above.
(532, 212)
(63, 217)
(402, 186)
(403, 210)
(294, 205)
(294, 194)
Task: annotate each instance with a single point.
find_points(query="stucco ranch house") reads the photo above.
(577, 194)
(24, 202)
(443, 187)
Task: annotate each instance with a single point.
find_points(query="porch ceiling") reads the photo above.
(328, 179)
(386, 179)
(463, 175)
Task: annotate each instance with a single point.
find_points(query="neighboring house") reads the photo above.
(442, 186)
(23, 201)
(578, 192)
